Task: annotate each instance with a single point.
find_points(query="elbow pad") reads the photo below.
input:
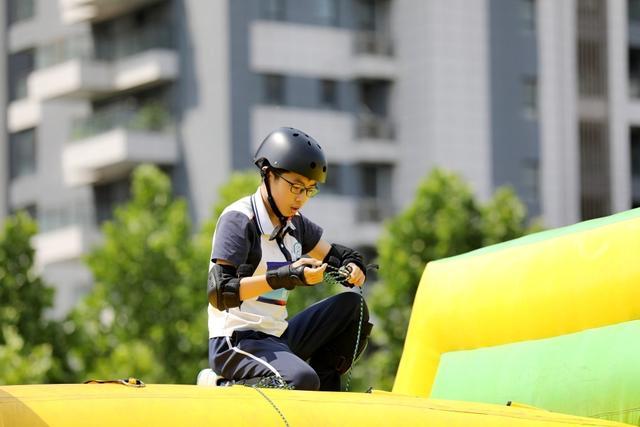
(344, 255)
(223, 288)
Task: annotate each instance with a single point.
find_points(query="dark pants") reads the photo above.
(324, 334)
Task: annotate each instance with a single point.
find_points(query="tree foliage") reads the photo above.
(443, 220)
(146, 314)
(25, 355)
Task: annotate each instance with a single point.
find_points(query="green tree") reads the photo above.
(25, 355)
(443, 220)
(21, 363)
(145, 315)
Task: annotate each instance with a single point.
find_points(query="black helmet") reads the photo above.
(292, 150)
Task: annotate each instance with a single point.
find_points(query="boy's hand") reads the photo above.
(313, 271)
(356, 276)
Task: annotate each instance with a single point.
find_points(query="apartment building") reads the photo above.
(95, 88)
(539, 95)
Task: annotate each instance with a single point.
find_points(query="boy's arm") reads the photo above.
(305, 271)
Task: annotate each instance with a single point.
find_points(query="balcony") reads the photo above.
(66, 232)
(64, 244)
(375, 139)
(23, 114)
(109, 144)
(319, 51)
(373, 56)
(372, 127)
(336, 131)
(74, 11)
(73, 68)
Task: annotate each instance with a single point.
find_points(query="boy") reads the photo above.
(256, 260)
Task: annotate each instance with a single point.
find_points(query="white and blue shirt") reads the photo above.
(242, 237)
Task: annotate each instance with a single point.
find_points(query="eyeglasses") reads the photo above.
(299, 188)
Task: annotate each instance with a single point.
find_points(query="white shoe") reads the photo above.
(207, 377)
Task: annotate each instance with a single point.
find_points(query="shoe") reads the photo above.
(208, 378)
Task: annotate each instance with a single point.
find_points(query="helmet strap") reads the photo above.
(274, 207)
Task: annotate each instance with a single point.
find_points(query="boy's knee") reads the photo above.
(305, 379)
(350, 302)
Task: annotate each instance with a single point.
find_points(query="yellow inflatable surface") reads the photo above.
(82, 405)
(550, 319)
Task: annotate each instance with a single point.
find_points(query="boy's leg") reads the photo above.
(250, 355)
(325, 334)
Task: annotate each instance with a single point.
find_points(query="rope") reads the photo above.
(272, 404)
(339, 276)
(355, 350)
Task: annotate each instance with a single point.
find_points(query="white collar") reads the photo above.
(262, 215)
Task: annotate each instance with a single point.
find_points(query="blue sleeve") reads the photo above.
(231, 240)
(311, 234)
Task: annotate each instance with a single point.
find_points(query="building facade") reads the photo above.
(540, 95)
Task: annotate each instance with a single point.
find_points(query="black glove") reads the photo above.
(287, 277)
(345, 255)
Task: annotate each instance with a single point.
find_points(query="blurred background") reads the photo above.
(448, 100)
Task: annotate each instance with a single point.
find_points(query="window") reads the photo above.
(366, 15)
(591, 8)
(530, 96)
(374, 97)
(20, 66)
(530, 180)
(328, 93)
(147, 28)
(327, 11)
(591, 68)
(19, 10)
(273, 89)
(635, 152)
(634, 73)
(594, 170)
(634, 11)
(528, 8)
(22, 153)
(31, 210)
(272, 9)
(375, 192)
(108, 196)
(635, 167)
(373, 107)
(333, 180)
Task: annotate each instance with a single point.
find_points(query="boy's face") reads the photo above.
(290, 191)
